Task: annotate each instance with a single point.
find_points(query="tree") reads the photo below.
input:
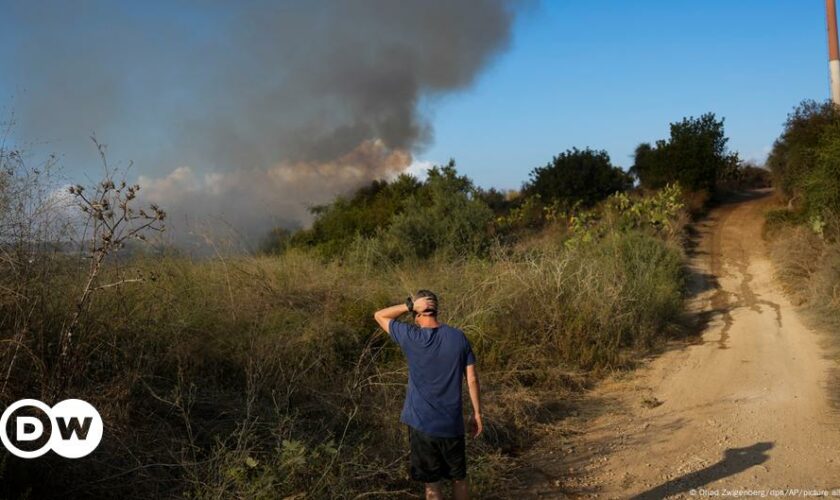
(370, 209)
(794, 153)
(821, 184)
(695, 156)
(412, 219)
(586, 176)
(445, 216)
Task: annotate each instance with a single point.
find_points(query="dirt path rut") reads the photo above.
(744, 409)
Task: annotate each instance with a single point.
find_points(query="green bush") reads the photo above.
(576, 176)
(695, 156)
(805, 162)
(777, 219)
(821, 185)
(369, 210)
(662, 212)
(795, 153)
(750, 176)
(444, 217)
(405, 218)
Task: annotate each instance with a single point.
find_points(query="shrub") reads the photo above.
(821, 185)
(695, 156)
(577, 176)
(369, 210)
(500, 202)
(410, 219)
(590, 301)
(794, 154)
(526, 217)
(751, 176)
(662, 212)
(778, 219)
(277, 241)
(445, 216)
(796, 251)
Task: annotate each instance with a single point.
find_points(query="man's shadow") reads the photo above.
(734, 460)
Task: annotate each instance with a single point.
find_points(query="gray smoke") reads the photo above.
(212, 99)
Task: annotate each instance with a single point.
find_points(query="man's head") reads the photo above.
(430, 313)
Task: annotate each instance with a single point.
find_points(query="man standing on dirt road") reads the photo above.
(439, 357)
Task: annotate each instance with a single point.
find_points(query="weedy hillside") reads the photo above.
(265, 376)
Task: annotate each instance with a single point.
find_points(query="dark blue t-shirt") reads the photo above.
(437, 361)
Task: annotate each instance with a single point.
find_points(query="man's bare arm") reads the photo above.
(384, 316)
(475, 398)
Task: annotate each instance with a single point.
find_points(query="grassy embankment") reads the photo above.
(805, 233)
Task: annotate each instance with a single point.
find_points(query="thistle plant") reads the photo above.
(111, 221)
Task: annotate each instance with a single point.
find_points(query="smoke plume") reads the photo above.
(251, 110)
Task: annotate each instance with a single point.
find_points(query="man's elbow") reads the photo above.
(381, 320)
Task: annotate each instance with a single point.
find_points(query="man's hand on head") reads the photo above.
(423, 305)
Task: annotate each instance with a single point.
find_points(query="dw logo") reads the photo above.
(29, 428)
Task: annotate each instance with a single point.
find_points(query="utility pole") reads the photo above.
(833, 51)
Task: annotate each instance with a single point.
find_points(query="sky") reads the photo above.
(255, 110)
(609, 74)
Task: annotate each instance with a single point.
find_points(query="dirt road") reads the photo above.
(746, 407)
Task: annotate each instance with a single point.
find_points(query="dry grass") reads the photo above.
(266, 377)
(259, 376)
(797, 253)
(808, 266)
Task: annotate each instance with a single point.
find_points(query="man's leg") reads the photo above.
(433, 491)
(460, 489)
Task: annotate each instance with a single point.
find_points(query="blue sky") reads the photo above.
(610, 74)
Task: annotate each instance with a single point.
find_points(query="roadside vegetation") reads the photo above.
(265, 376)
(805, 233)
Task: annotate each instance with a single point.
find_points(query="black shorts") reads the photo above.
(436, 458)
